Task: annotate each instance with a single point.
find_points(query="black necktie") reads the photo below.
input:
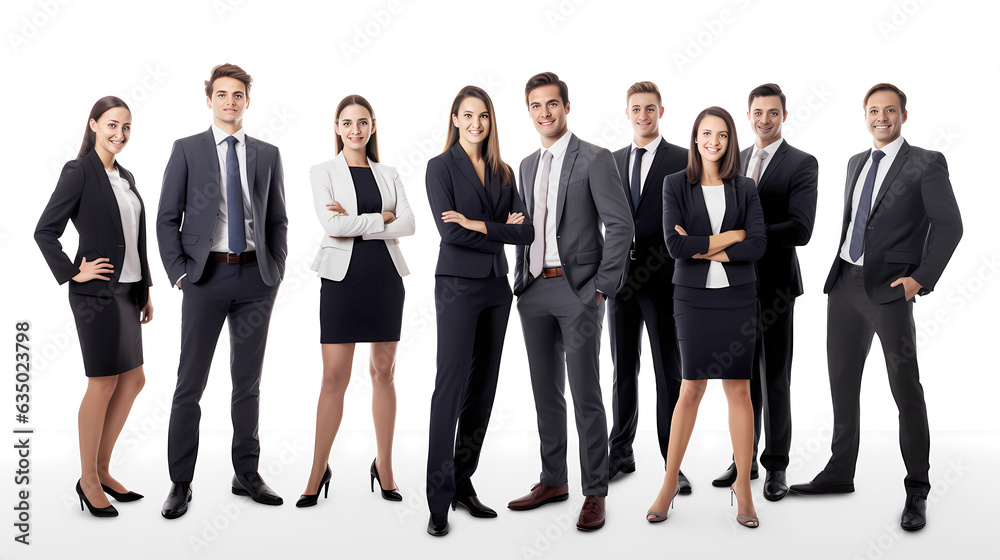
(864, 208)
(636, 183)
(234, 200)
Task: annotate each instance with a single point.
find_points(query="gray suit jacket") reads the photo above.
(590, 193)
(190, 202)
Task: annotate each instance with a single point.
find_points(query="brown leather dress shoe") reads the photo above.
(592, 514)
(541, 494)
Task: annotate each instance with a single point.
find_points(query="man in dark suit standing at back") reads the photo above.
(900, 226)
(786, 180)
(222, 233)
(647, 297)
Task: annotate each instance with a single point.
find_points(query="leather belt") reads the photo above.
(230, 258)
(551, 272)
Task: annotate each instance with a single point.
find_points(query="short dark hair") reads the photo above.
(544, 79)
(767, 90)
(643, 87)
(890, 87)
(730, 165)
(228, 70)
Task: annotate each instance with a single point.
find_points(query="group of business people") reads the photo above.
(698, 246)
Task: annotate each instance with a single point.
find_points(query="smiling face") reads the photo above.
(355, 127)
(766, 117)
(548, 112)
(228, 102)
(112, 129)
(883, 116)
(644, 112)
(472, 121)
(712, 137)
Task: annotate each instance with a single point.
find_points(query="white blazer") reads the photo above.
(331, 181)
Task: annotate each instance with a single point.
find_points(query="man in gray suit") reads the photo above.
(570, 187)
(222, 233)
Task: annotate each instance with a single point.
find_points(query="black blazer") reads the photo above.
(649, 245)
(452, 184)
(83, 194)
(684, 205)
(914, 226)
(787, 192)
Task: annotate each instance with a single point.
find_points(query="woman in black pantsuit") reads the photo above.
(714, 228)
(108, 290)
(477, 210)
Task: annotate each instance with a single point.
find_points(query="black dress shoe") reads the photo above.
(122, 496)
(728, 478)
(683, 484)
(823, 484)
(437, 526)
(250, 484)
(775, 486)
(620, 465)
(914, 514)
(475, 507)
(177, 500)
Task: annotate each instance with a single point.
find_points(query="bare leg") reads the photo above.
(681, 427)
(337, 359)
(93, 411)
(382, 368)
(128, 387)
(741, 432)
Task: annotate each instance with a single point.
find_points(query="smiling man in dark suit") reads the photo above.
(900, 226)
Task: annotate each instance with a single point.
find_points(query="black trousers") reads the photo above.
(233, 293)
(852, 321)
(770, 387)
(472, 318)
(627, 313)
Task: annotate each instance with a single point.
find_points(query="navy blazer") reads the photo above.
(684, 205)
(453, 184)
(84, 195)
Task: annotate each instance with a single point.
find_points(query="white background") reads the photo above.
(409, 59)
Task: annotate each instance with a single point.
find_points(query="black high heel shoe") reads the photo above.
(109, 511)
(391, 495)
(118, 496)
(475, 507)
(307, 500)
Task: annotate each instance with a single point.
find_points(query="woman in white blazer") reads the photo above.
(363, 209)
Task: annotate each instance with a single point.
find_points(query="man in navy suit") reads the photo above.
(900, 226)
(222, 234)
(647, 297)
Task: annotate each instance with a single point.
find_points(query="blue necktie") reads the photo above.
(234, 200)
(636, 183)
(864, 208)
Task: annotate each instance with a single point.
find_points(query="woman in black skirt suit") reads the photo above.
(108, 290)
(714, 229)
(477, 210)
(363, 209)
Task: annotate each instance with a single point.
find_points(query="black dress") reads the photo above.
(367, 305)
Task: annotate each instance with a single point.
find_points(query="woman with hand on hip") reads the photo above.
(363, 210)
(108, 290)
(714, 229)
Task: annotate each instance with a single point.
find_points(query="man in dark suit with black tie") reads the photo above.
(786, 185)
(901, 225)
(570, 188)
(222, 233)
(647, 297)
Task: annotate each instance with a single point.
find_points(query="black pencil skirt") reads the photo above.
(716, 331)
(367, 305)
(109, 330)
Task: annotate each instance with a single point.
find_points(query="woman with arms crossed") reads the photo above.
(363, 209)
(108, 290)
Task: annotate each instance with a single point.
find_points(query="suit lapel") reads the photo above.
(343, 185)
(700, 209)
(388, 194)
(213, 187)
(106, 191)
(729, 188)
(251, 167)
(658, 159)
(622, 162)
(745, 160)
(564, 175)
(528, 182)
(776, 159)
(465, 164)
(890, 176)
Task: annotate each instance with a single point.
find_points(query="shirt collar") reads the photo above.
(770, 149)
(559, 148)
(220, 135)
(890, 149)
(650, 148)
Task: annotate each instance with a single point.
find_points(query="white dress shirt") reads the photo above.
(558, 151)
(221, 238)
(755, 154)
(128, 207)
(647, 162)
(890, 150)
(715, 201)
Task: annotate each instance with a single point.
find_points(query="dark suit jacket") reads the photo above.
(684, 205)
(914, 226)
(83, 194)
(452, 184)
(590, 194)
(787, 192)
(650, 247)
(192, 195)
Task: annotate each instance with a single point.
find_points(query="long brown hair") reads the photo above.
(730, 165)
(102, 106)
(371, 148)
(491, 147)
